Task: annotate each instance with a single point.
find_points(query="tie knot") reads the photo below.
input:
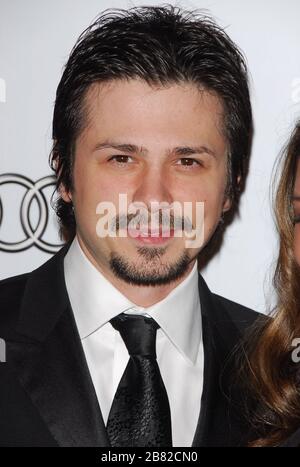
(138, 333)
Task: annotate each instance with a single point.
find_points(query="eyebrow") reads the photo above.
(178, 150)
(296, 198)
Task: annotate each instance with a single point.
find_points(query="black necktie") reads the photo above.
(140, 412)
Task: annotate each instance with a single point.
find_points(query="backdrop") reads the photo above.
(35, 40)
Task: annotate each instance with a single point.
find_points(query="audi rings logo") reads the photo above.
(33, 236)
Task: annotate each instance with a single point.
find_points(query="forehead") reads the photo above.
(158, 118)
(133, 108)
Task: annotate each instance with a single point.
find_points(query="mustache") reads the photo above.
(161, 220)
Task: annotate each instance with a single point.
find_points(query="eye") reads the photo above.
(120, 159)
(189, 162)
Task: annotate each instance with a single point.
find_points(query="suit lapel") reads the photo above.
(49, 360)
(218, 423)
(209, 388)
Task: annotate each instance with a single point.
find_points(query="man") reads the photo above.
(117, 340)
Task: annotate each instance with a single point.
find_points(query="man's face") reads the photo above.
(155, 127)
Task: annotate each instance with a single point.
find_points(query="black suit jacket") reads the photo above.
(47, 396)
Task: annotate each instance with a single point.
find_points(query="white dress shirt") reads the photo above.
(179, 346)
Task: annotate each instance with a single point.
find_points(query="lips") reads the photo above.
(147, 236)
(145, 232)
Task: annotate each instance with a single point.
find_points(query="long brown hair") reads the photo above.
(273, 376)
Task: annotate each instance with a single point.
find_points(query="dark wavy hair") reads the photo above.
(160, 45)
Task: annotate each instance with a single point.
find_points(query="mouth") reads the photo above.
(151, 236)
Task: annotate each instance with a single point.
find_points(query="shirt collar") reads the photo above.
(93, 298)
(179, 316)
(95, 301)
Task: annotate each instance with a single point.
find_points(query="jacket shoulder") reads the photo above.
(11, 294)
(242, 316)
(13, 289)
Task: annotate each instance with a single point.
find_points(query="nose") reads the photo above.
(153, 187)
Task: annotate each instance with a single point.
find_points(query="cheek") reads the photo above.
(297, 243)
(91, 187)
(213, 202)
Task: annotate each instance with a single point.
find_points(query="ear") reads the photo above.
(227, 204)
(66, 195)
(228, 201)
